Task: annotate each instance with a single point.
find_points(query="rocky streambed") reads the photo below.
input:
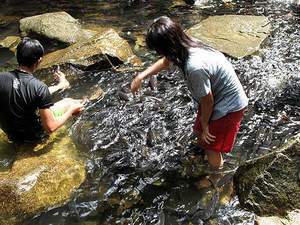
(141, 166)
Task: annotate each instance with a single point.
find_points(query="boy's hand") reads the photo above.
(76, 108)
(206, 136)
(63, 83)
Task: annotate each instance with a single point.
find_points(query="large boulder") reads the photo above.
(269, 185)
(59, 26)
(104, 49)
(235, 35)
(39, 180)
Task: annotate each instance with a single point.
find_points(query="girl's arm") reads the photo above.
(207, 103)
(158, 66)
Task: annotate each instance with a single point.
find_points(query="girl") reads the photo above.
(211, 80)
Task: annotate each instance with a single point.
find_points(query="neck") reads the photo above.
(26, 69)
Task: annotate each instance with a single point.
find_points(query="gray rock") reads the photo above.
(59, 26)
(235, 35)
(269, 185)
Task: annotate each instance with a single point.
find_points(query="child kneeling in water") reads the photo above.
(211, 80)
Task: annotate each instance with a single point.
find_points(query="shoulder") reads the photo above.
(199, 59)
(36, 82)
(6, 75)
(37, 86)
(210, 60)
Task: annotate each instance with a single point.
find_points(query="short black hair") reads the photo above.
(29, 51)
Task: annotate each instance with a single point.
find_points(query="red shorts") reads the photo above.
(225, 129)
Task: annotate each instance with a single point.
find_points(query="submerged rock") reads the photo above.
(37, 181)
(59, 26)
(269, 185)
(103, 50)
(235, 35)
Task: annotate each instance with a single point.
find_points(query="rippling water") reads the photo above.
(134, 146)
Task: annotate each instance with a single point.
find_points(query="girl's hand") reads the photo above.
(136, 84)
(206, 136)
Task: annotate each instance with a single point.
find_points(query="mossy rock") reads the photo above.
(270, 185)
(38, 180)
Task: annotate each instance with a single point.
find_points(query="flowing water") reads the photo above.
(135, 146)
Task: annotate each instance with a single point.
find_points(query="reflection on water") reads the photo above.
(135, 145)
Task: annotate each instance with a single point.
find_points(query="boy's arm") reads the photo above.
(51, 123)
(207, 103)
(158, 66)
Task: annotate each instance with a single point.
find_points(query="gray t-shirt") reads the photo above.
(209, 71)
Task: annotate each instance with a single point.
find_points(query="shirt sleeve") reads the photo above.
(200, 83)
(44, 99)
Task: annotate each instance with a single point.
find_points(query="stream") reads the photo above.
(134, 146)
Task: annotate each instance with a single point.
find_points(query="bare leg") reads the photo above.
(215, 159)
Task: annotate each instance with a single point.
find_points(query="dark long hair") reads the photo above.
(167, 38)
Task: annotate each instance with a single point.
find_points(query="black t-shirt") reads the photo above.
(21, 94)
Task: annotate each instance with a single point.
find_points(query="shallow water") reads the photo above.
(134, 145)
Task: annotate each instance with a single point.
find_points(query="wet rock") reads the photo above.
(10, 42)
(178, 3)
(40, 178)
(59, 26)
(140, 41)
(8, 47)
(104, 50)
(7, 20)
(269, 185)
(235, 35)
(293, 218)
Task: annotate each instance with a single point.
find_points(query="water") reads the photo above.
(135, 146)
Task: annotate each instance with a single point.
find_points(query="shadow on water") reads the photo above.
(136, 146)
